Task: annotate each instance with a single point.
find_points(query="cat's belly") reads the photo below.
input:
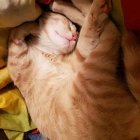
(51, 108)
(51, 104)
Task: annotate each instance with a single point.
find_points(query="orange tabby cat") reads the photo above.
(75, 96)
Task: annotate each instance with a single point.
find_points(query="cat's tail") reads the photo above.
(131, 51)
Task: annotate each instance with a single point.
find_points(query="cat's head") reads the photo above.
(60, 30)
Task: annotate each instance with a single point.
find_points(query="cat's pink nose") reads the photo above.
(74, 36)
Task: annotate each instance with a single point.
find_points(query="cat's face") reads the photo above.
(61, 31)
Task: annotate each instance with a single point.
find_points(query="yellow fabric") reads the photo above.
(4, 77)
(14, 118)
(13, 135)
(4, 32)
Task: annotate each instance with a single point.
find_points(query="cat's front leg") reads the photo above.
(92, 28)
(83, 5)
(69, 10)
(18, 57)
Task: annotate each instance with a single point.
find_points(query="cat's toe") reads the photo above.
(55, 6)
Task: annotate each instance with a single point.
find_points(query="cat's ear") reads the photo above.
(35, 32)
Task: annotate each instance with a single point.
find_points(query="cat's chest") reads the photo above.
(52, 70)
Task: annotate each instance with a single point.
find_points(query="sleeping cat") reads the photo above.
(74, 94)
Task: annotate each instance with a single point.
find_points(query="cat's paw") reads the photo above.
(99, 13)
(55, 6)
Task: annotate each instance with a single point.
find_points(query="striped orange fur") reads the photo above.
(75, 96)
